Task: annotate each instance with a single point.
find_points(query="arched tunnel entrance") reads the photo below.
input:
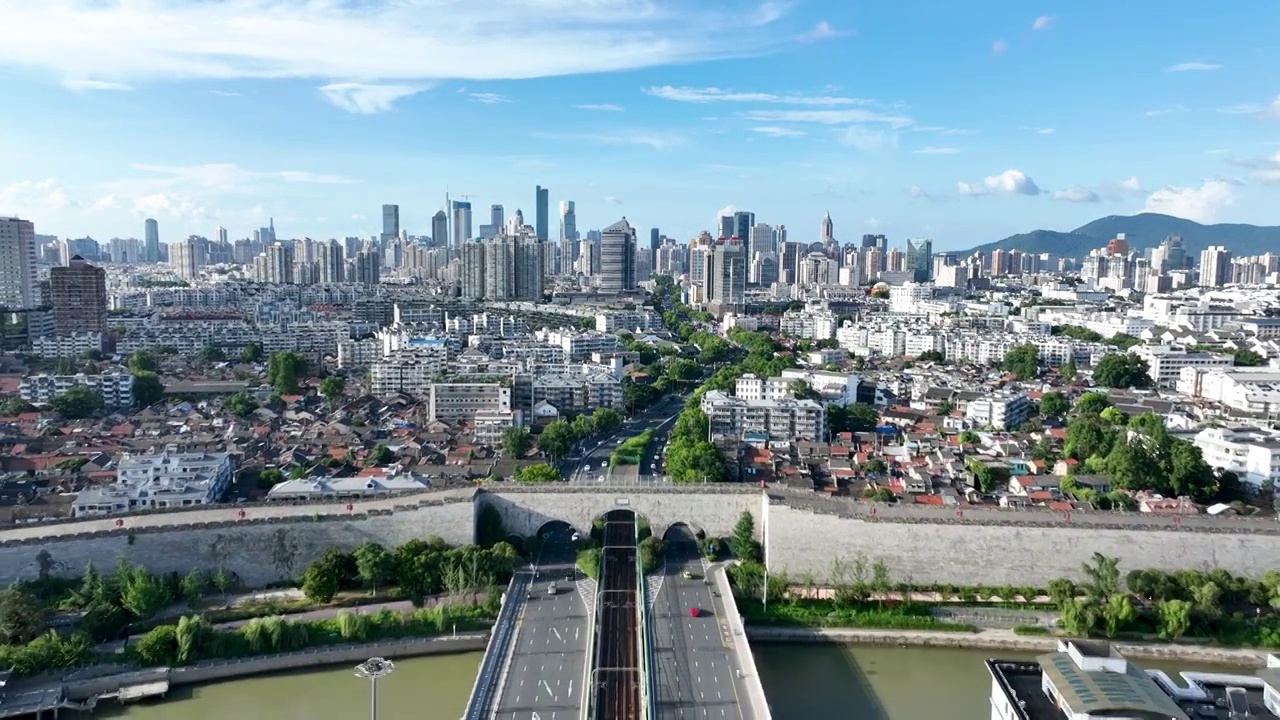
(618, 515)
(554, 543)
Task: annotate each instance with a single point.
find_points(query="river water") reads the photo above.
(801, 681)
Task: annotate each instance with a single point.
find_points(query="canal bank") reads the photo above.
(1003, 640)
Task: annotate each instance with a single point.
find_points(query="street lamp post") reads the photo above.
(374, 668)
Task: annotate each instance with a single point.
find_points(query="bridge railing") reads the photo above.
(488, 685)
(648, 684)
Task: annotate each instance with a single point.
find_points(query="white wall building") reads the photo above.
(169, 479)
(404, 372)
(1002, 411)
(1248, 389)
(1253, 454)
(116, 389)
(781, 420)
(51, 347)
(1167, 361)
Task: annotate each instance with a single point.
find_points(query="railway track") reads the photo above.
(617, 661)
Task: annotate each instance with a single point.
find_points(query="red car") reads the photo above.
(694, 612)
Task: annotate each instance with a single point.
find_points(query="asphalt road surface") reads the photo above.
(548, 663)
(591, 466)
(696, 668)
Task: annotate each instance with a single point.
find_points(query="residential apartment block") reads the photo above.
(784, 420)
(1166, 362)
(116, 389)
(51, 347)
(1002, 411)
(404, 372)
(169, 479)
(1253, 454)
(1247, 389)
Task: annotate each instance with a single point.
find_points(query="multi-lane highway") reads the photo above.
(546, 670)
(697, 673)
(617, 674)
(591, 466)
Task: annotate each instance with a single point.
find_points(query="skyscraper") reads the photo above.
(655, 239)
(726, 226)
(220, 234)
(497, 217)
(568, 221)
(151, 241)
(760, 242)
(742, 222)
(440, 229)
(78, 293)
(920, 258)
(185, 258)
(461, 222)
(617, 258)
(725, 274)
(542, 218)
(1215, 266)
(390, 222)
(828, 230)
(17, 264)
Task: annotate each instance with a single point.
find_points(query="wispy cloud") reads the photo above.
(774, 131)
(999, 46)
(1270, 112)
(828, 117)
(604, 107)
(1077, 194)
(1131, 184)
(714, 94)
(224, 93)
(1039, 130)
(228, 177)
(861, 138)
(365, 99)
(1201, 204)
(1044, 22)
(1177, 108)
(1265, 170)
(85, 85)
(943, 131)
(1193, 67)
(1009, 182)
(822, 31)
(389, 43)
(932, 150)
(654, 140)
(613, 200)
(489, 98)
(916, 191)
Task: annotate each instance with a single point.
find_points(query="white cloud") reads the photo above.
(1039, 130)
(773, 131)
(916, 191)
(33, 198)
(822, 31)
(866, 140)
(224, 93)
(107, 202)
(366, 99)
(1076, 194)
(1200, 204)
(374, 42)
(655, 140)
(358, 216)
(489, 98)
(999, 46)
(613, 200)
(828, 117)
(604, 107)
(714, 94)
(1044, 22)
(1265, 170)
(1131, 184)
(1193, 67)
(932, 150)
(1165, 111)
(228, 177)
(1009, 182)
(83, 85)
(943, 131)
(176, 205)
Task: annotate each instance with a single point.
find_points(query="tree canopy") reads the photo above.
(147, 388)
(1023, 361)
(284, 370)
(1122, 370)
(78, 403)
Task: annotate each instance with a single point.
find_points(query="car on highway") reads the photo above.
(587, 467)
(552, 589)
(694, 612)
(688, 575)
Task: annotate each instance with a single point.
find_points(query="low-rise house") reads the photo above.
(168, 479)
(371, 483)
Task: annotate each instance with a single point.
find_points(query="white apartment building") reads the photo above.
(579, 345)
(1248, 389)
(814, 322)
(834, 387)
(1002, 411)
(1253, 454)
(1167, 361)
(754, 387)
(1105, 324)
(169, 479)
(51, 347)
(18, 264)
(781, 420)
(632, 320)
(116, 389)
(907, 297)
(577, 393)
(462, 401)
(404, 372)
(358, 353)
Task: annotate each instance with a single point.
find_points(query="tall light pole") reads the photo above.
(374, 668)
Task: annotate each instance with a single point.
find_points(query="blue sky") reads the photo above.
(963, 122)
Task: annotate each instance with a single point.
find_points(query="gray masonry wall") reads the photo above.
(801, 541)
(524, 513)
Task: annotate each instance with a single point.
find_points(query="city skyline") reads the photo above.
(960, 124)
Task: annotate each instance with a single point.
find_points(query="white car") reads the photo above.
(587, 467)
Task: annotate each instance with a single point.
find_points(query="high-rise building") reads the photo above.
(618, 258)
(568, 221)
(542, 220)
(440, 229)
(78, 293)
(655, 241)
(1118, 245)
(124, 251)
(1215, 266)
(725, 274)
(220, 234)
(827, 233)
(497, 217)
(742, 223)
(151, 241)
(919, 259)
(390, 222)
(186, 258)
(726, 226)
(789, 264)
(461, 222)
(760, 241)
(17, 264)
(331, 265)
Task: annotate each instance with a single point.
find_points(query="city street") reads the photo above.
(593, 467)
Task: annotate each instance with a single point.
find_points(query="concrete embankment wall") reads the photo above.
(215, 670)
(746, 659)
(1016, 548)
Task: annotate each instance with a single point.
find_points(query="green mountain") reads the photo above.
(1142, 231)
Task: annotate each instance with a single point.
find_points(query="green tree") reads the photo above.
(21, 615)
(78, 403)
(1112, 416)
(1187, 472)
(1068, 371)
(193, 586)
(1088, 436)
(515, 442)
(1248, 358)
(879, 494)
(1054, 403)
(743, 540)
(1122, 370)
(157, 647)
(141, 593)
(1023, 361)
(251, 353)
(147, 388)
(1061, 591)
(210, 354)
(605, 420)
(92, 354)
(556, 439)
(142, 361)
(15, 406)
(1117, 613)
(321, 581)
(1174, 618)
(283, 371)
(191, 634)
(540, 473)
(221, 581)
(858, 417)
(969, 437)
(380, 455)
(1091, 404)
(332, 388)
(931, 356)
(1102, 577)
(240, 404)
(374, 565)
